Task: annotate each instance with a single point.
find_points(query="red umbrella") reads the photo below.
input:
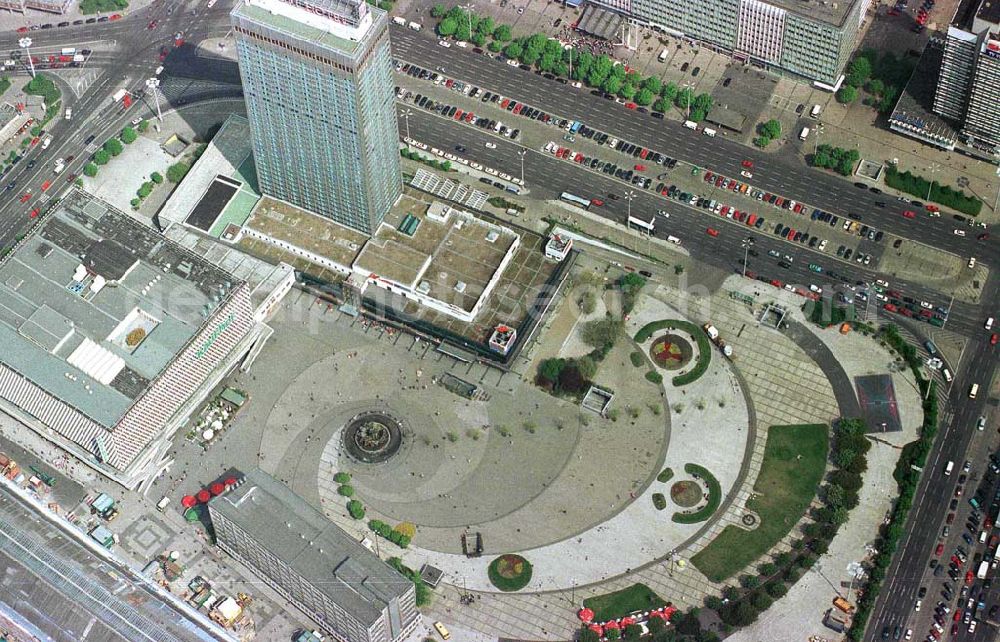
(217, 488)
(611, 625)
(585, 614)
(188, 501)
(669, 611)
(204, 496)
(657, 614)
(598, 629)
(231, 481)
(627, 621)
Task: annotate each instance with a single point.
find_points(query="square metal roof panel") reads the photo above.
(53, 301)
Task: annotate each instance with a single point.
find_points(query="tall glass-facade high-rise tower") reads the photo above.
(317, 80)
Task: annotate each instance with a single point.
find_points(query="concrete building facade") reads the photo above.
(811, 39)
(968, 89)
(310, 561)
(317, 80)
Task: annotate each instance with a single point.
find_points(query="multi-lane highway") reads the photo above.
(135, 56)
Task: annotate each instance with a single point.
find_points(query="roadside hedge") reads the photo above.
(942, 194)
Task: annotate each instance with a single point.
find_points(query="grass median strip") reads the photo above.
(794, 463)
(610, 606)
(704, 345)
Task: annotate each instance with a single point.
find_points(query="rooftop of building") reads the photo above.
(285, 222)
(315, 548)
(445, 253)
(989, 11)
(228, 159)
(94, 305)
(7, 113)
(340, 25)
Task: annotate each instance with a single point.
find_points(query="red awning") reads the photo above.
(204, 496)
(669, 611)
(217, 488)
(658, 614)
(231, 481)
(598, 629)
(188, 501)
(611, 625)
(585, 614)
(627, 620)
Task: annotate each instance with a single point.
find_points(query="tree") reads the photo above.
(768, 568)
(632, 632)
(462, 31)
(438, 11)
(495, 46)
(586, 635)
(689, 623)
(135, 202)
(587, 367)
(101, 157)
(627, 91)
(761, 141)
(771, 129)
(761, 601)
(175, 173)
(113, 146)
(749, 581)
(513, 50)
(129, 135)
(653, 84)
(655, 624)
(684, 98)
(669, 92)
(847, 94)
(611, 85)
(713, 602)
(143, 126)
(875, 86)
(447, 27)
(156, 177)
(776, 589)
(485, 26)
(502, 33)
(550, 369)
(601, 333)
(478, 39)
(90, 169)
(144, 190)
(858, 71)
(731, 593)
(661, 105)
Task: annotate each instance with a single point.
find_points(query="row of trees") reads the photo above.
(944, 194)
(756, 593)
(835, 158)
(907, 474)
(549, 55)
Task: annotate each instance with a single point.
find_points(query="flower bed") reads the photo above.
(510, 572)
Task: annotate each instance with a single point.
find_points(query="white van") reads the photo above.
(690, 124)
(163, 503)
(989, 323)
(947, 375)
(69, 113)
(973, 390)
(709, 132)
(950, 466)
(400, 21)
(815, 111)
(804, 134)
(415, 26)
(663, 55)
(674, 240)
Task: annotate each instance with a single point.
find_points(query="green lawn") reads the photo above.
(637, 597)
(786, 485)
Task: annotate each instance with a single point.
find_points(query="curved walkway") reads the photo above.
(843, 388)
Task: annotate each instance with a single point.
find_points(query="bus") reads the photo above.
(575, 200)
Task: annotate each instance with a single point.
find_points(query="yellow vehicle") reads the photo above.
(443, 632)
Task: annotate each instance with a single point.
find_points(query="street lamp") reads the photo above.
(629, 195)
(690, 87)
(933, 169)
(153, 85)
(24, 43)
(748, 243)
(406, 113)
(522, 153)
(468, 10)
(819, 130)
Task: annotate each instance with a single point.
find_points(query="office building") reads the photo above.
(968, 89)
(112, 335)
(312, 562)
(811, 39)
(317, 80)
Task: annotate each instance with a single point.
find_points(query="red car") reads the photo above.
(116, 16)
(891, 308)
(596, 202)
(46, 185)
(931, 207)
(34, 213)
(630, 105)
(994, 338)
(640, 168)
(776, 283)
(26, 197)
(951, 516)
(747, 163)
(969, 576)
(940, 547)
(712, 232)
(504, 103)
(958, 615)
(151, 25)
(909, 214)
(643, 153)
